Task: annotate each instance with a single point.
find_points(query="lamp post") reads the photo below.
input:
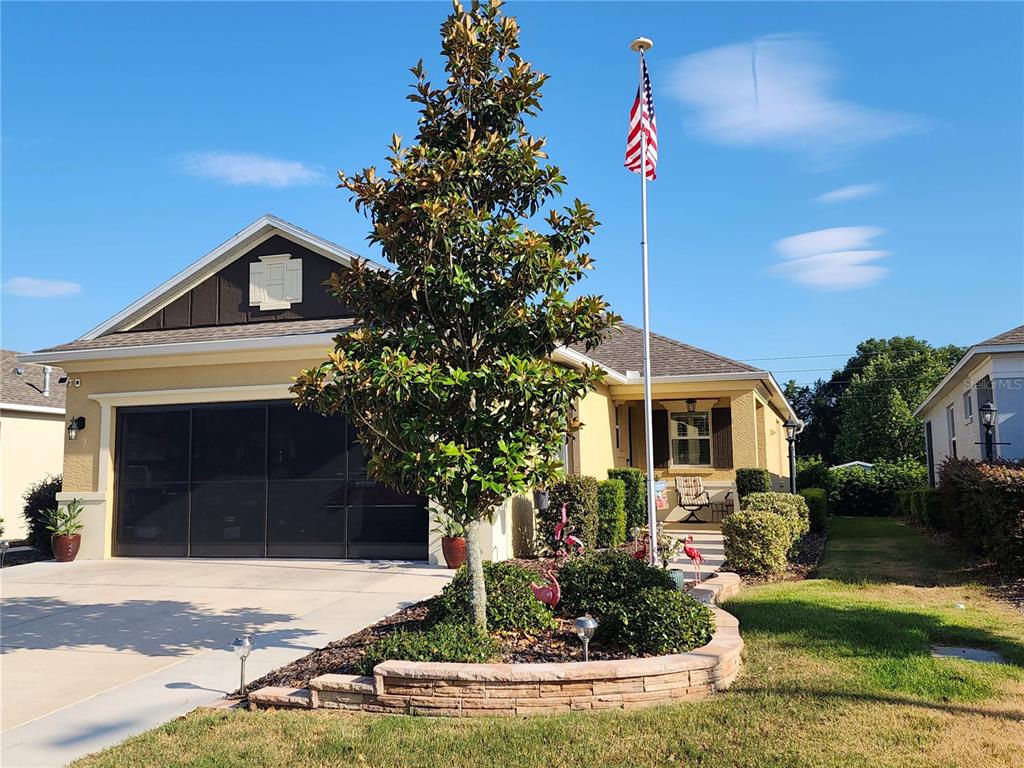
(988, 420)
(585, 628)
(242, 647)
(792, 430)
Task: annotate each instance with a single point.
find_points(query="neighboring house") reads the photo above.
(31, 433)
(191, 447)
(861, 464)
(991, 371)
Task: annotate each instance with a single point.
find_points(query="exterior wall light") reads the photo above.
(585, 628)
(243, 647)
(75, 426)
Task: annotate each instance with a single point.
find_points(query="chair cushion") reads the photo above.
(689, 487)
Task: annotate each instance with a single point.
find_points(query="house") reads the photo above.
(191, 447)
(31, 433)
(991, 371)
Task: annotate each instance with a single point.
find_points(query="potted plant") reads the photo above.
(453, 539)
(64, 523)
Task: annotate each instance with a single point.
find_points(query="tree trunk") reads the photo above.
(475, 563)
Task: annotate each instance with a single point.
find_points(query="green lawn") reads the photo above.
(837, 673)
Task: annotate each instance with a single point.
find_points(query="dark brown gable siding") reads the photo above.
(721, 438)
(223, 298)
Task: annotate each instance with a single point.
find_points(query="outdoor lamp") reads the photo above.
(585, 628)
(243, 647)
(75, 426)
(988, 414)
(791, 425)
(691, 405)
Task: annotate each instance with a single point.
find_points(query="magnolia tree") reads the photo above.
(448, 378)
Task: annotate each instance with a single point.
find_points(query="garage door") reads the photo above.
(254, 480)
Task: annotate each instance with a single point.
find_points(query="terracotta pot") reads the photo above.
(454, 551)
(65, 548)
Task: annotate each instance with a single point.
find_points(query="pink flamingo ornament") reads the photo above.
(570, 540)
(551, 594)
(695, 556)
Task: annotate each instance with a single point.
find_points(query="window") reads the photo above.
(690, 437)
(968, 406)
(951, 427)
(275, 282)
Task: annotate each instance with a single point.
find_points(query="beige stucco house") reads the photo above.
(192, 449)
(31, 433)
(991, 371)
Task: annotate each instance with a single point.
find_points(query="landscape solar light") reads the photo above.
(585, 628)
(243, 647)
(4, 546)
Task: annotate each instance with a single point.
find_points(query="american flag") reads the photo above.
(642, 122)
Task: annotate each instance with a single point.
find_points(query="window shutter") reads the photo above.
(257, 283)
(659, 430)
(293, 281)
(721, 438)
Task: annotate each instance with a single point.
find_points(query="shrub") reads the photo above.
(657, 621)
(511, 605)
(39, 499)
(752, 480)
(756, 542)
(811, 472)
(442, 642)
(817, 507)
(920, 506)
(611, 513)
(580, 493)
(636, 495)
(789, 506)
(872, 492)
(599, 580)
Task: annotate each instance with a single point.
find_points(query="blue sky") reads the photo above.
(870, 185)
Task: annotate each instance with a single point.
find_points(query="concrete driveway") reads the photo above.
(96, 651)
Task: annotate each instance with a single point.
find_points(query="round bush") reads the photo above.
(656, 621)
(442, 642)
(39, 498)
(790, 506)
(511, 605)
(757, 542)
(817, 506)
(599, 580)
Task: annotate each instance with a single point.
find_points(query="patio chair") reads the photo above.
(692, 497)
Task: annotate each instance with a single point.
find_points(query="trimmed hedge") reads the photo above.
(817, 507)
(757, 542)
(580, 493)
(511, 604)
(636, 495)
(454, 642)
(920, 506)
(39, 499)
(657, 621)
(611, 513)
(983, 505)
(812, 472)
(789, 506)
(872, 492)
(752, 480)
(590, 584)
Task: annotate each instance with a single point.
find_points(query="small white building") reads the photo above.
(991, 371)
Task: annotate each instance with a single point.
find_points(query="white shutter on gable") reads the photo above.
(275, 282)
(293, 281)
(257, 283)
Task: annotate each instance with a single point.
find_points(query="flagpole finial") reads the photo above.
(641, 44)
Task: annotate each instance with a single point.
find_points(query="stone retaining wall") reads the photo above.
(467, 690)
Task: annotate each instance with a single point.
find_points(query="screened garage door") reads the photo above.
(254, 480)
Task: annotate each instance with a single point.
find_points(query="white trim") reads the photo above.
(32, 409)
(975, 351)
(83, 495)
(564, 354)
(261, 229)
(194, 395)
(313, 340)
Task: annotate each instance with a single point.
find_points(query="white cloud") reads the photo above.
(851, 192)
(778, 92)
(34, 288)
(249, 170)
(833, 259)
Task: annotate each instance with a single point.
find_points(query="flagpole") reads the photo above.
(640, 45)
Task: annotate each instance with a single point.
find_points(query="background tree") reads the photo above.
(448, 378)
(865, 410)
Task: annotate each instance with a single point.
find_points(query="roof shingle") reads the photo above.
(1012, 336)
(27, 388)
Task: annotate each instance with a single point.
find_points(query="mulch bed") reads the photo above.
(25, 556)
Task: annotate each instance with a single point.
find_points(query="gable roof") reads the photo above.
(234, 247)
(25, 392)
(623, 351)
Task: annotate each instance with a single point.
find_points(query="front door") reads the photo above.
(254, 480)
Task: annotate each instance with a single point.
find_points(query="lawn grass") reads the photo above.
(837, 673)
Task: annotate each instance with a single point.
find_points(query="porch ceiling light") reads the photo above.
(75, 426)
(691, 405)
(988, 414)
